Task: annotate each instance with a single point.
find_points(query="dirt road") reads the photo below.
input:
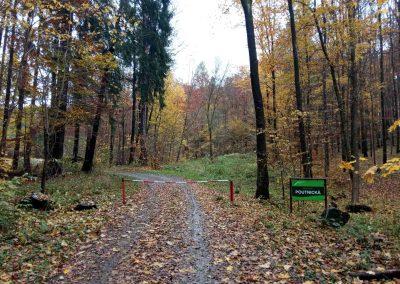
(160, 238)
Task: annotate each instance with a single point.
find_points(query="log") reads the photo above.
(376, 275)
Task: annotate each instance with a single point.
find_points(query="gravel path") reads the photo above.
(159, 237)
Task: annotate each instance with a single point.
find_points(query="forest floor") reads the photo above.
(170, 233)
(191, 234)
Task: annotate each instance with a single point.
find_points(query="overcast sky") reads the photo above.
(204, 33)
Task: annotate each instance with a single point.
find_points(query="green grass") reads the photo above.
(241, 168)
(33, 242)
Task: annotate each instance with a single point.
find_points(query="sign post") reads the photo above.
(305, 189)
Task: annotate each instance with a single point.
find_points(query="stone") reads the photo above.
(37, 200)
(335, 217)
(358, 208)
(85, 205)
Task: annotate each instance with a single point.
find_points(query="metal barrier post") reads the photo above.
(123, 192)
(232, 192)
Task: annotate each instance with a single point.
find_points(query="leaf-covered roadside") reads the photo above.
(253, 242)
(36, 243)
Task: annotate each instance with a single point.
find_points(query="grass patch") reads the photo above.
(33, 243)
(241, 168)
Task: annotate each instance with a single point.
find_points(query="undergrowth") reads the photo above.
(33, 241)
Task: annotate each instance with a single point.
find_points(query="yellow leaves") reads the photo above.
(381, 2)
(370, 174)
(391, 167)
(66, 271)
(394, 126)
(347, 165)
(229, 268)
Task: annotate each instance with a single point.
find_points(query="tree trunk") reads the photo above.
(3, 58)
(133, 126)
(325, 118)
(142, 131)
(305, 155)
(382, 90)
(123, 137)
(354, 107)
(7, 113)
(178, 155)
(75, 150)
(45, 150)
(58, 135)
(262, 161)
(364, 140)
(21, 87)
(395, 92)
(31, 135)
(336, 89)
(91, 145)
(45, 143)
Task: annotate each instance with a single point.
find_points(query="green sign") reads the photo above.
(307, 190)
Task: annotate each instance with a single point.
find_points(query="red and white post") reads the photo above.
(123, 192)
(232, 192)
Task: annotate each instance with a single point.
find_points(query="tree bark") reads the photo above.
(91, 145)
(7, 112)
(354, 107)
(142, 131)
(31, 135)
(21, 87)
(382, 92)
(262, 190)
(133, 126)
(75, 150)
(3, 58)
(305, 155)
(111, 120)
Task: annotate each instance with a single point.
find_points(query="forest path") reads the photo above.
(160, 237)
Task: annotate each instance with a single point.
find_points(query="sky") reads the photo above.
(203, 33)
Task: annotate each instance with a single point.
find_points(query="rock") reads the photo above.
(38, 201)
(85, 205)
(358, 208)
(335, 217)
